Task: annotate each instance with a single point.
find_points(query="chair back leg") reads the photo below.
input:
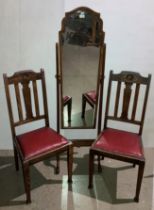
(69, 107)
(83, 106)
(58, 165)
(70, 162)
(16, 159)
(91, 169)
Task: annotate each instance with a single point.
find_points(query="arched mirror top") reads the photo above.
(83, 22)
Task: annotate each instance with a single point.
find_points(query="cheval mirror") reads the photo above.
(80, 69)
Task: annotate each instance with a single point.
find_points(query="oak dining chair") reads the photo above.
(126, 104)
(27, 103)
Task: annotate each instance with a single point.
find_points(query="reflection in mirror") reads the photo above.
(80, 70)
(81, 40)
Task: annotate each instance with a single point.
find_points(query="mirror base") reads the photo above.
(82, 142)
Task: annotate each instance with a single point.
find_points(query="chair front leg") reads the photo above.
(70, 162)
(16, 158)
(139, 180)
(91, 169)
(26, 175)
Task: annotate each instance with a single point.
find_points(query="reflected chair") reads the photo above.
(67, 101)
(126, 103)
(27, 104)
(90, 98)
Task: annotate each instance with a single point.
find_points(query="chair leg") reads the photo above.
(91, 169)
(57, 167)
(26, 175)
(69, 107)
(16, 159)
(70, 162)
(139, 180)
(83, 106)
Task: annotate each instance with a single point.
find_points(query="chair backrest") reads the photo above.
(127, 98)
(26, 98)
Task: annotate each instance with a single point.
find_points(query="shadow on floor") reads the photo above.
(11, 182)
(105, 183)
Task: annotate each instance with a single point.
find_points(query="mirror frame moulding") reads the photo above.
(100, 79)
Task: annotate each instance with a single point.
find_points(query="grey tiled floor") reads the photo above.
(114, 188)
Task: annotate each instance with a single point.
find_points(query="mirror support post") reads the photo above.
(101, 88)
(57, 87)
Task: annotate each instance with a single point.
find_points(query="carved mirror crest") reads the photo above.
(80, 68)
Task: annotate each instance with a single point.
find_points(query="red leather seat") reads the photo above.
(40, 141)
(66, 98)
(90, 97)
(119, 142)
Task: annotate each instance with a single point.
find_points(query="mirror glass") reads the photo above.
(80, 42)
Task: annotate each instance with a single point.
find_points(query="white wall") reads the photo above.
(29, 29)
(28, 33)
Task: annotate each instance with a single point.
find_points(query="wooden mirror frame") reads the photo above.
(101, 67)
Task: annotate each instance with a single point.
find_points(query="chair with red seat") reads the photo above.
(90, 98)
(27, 104)
(67, 101)
(126, 103)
